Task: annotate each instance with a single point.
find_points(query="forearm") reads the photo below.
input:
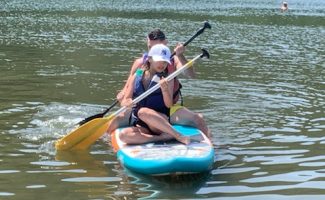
(126, 102)
(121, 94)
(168, 98)
(180, 61)
(167, 91)
(128, 92)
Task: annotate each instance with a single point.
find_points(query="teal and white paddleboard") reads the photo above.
(163, 158)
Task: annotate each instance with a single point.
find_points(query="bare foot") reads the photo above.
(165, 136)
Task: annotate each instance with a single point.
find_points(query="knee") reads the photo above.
(143, 113)
(116, 123)
(112, 126)
(201, 124)
(125, 135)
(199, 116)
(199, 120)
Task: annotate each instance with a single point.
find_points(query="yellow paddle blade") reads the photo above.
(85, 135)
(88, 141)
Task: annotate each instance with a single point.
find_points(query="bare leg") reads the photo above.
(184, 116)
(159, 123)
(140, 135)
(119, 121)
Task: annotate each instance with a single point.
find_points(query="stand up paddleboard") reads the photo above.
(164, 158)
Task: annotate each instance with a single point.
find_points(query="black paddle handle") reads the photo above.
(111, 106)
(199, 32)
(100, 115)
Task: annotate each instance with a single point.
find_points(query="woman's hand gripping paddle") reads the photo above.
(85, 135)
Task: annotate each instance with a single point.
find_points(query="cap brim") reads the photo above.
(160, 58)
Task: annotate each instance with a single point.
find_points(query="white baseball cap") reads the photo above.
(160, 52)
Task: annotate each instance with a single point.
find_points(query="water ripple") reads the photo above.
(304, 185)
(285, 159)
(93, 179)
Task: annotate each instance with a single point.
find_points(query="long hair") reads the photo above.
(146, 66)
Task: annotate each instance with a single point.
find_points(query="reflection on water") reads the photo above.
(183, 186)
(262, 94)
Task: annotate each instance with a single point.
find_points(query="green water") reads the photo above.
(261, 92)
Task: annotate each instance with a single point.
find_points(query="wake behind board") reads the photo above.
(163, 158)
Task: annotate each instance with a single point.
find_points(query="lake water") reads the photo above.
(262, 93)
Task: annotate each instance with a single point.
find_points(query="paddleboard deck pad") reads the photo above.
(164, 158)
